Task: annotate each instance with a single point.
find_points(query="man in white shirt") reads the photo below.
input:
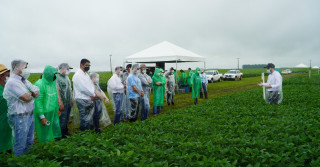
(117, 89)
(20, 94)
(84, 95)
(204, 82)
(273, 85)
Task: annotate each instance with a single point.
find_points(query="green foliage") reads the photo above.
(233, 130)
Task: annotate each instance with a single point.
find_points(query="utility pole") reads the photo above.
(238, 63)
(310, 64)
(110, 63)
(310, 70)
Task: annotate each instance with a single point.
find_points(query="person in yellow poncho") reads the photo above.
(46, 113)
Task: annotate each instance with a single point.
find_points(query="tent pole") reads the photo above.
(177, 86)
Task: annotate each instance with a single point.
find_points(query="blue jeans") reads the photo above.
(145, 106)
(64, 119)
(86, 108)
(97, 114)
(204, 87)
(117, 97)
(122, 116)
(156, 110)
(23, 131)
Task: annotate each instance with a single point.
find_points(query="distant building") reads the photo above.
(253, 66)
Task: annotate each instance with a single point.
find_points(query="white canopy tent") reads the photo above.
(301, 66)
(316, 67)
(165, 52)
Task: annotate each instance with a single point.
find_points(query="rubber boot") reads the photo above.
(206, 95)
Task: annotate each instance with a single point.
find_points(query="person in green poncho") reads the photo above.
(176, 76)
(46, 113)
(196, 85)
(190, 74)
(5, 129)
(158, 86)
(183, 80)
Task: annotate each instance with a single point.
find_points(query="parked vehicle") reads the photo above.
(233, 75)
(287, 71)
(213, 75)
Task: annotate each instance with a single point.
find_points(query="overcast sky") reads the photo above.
(285, 32)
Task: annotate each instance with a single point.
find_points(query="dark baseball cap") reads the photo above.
(270, 65)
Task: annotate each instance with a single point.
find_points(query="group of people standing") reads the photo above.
(45, 107)
(129, 89)
(196, 82)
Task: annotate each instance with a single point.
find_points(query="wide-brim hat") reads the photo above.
(3, 69)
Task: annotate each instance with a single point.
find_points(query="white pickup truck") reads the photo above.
(233, 75)
(213, 75)
(287, 71)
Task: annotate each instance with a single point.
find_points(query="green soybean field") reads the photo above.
(236, 129)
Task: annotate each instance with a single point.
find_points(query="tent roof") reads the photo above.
(301, 66)
(314, 67)
(164, 52)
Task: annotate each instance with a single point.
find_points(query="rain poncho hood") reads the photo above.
(157, 73)
(197, 71)
(196, 83)
(47, 104)
(158, 90)
(48, 74)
